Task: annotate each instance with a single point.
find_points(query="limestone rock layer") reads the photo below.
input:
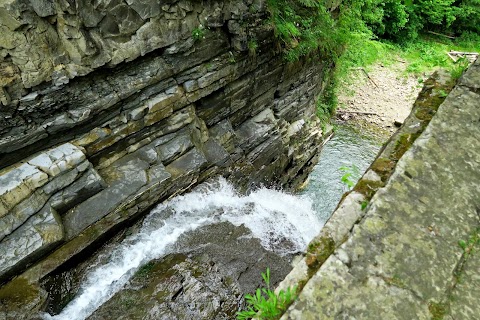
(107, 108)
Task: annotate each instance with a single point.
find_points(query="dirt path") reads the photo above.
(378, 99)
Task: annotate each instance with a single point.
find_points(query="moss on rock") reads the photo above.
(403, 143)
(368, 187)
(318, 251)
(383, 167)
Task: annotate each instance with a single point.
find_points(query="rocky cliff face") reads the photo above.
(109, 107)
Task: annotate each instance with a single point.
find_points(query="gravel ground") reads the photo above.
(380, 101)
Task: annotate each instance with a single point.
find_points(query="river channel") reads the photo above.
(211, 243)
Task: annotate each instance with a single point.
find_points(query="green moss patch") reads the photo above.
(383, 167)
(403, 143)
(438, 310)
(368, 187)
(318, 251)
(18, 293)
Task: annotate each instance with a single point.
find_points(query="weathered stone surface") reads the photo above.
(17, 184)
(255, 131)
(20, 213)
(401, 259)
(182, 289)
(464, 298)
(86, 186)
(192, 161)
(25, 189)
(124, 179)
(38, 235)
(86, 37)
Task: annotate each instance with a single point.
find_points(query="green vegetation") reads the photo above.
(350, 176)
(318, 251)
(469, 245)
(364, 204)
(198, 33)
(360, 33)
(145, 270)
(265, 303)
(403, 21)
(252, 46)
(303, 26)
(437, 310)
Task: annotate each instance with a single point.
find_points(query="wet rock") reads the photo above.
(255, 131)
(122, 108)
(191, 161)
(25, 189)
(175, 287)
(216, 266)
(236, 253)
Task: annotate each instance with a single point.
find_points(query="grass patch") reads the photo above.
(421, 56)
(428, 53)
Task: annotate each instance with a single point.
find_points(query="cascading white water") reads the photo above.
(271, 215)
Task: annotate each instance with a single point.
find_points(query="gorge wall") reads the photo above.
(107, 108)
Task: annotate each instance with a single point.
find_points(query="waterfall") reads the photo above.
(273, 216)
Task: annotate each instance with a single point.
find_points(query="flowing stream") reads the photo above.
(347, 148)
(274, 217)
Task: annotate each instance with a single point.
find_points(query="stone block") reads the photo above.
(86, 186)
(266, 152)
(43, 8)
(59, 159)
(224, 134)
(256, 130)
(21, 212)
(216, 154)
(61, 181)
(17, 183)
(145, 8)
(175, 147)
(191, 162)
(125, 178)
(40, 234)
(158, 174)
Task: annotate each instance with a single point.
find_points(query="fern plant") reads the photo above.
(265, 303)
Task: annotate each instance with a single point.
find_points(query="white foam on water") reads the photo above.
(284, 223)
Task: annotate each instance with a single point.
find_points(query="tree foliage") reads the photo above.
(402, 20)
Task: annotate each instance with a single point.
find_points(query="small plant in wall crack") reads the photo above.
(469, 245)
(198, 33)
(265, 303)
(252, 47)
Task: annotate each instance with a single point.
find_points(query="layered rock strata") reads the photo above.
(112, 107)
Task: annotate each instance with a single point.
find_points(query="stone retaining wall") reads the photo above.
(394, 254)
